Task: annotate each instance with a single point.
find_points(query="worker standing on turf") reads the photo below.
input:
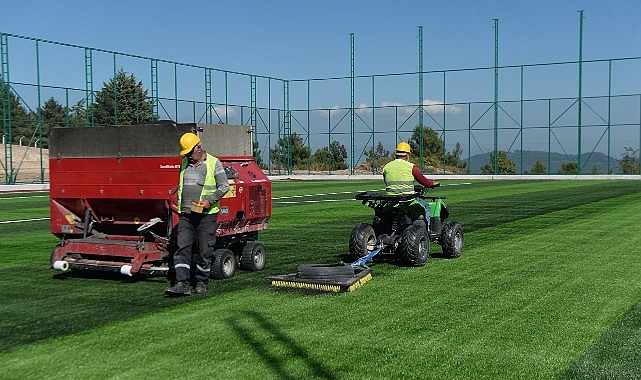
(399, 176)
(202, 183)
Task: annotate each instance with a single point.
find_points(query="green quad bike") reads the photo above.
(399, 228)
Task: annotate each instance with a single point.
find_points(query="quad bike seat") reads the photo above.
(381, 196)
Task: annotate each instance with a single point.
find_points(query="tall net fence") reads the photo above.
(586, 120)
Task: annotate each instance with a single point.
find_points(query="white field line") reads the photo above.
(317, 201)
(22, 220)
(279, 200)
(317, 195)
(288, 199)
(24, 197)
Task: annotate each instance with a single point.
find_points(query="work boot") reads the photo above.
(180, 289)
(201, 288)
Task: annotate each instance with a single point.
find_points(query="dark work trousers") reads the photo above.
(196, 236)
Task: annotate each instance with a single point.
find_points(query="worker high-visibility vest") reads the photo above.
(398, 177)
(210, 182)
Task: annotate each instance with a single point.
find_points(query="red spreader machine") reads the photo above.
(113, 198)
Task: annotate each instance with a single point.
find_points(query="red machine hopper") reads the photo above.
(113, 198)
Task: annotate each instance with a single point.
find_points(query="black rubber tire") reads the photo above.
(362, 240)
(224, 264)
(451, 239)
(414, 245)
(325, 272)
(253, 256)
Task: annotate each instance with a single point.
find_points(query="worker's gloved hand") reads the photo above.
(435, 184)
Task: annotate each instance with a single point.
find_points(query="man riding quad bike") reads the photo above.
(404, 222)
(399, 227)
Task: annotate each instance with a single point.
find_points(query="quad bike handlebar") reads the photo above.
(422, 191)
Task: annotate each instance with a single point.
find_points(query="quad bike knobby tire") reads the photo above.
(253, 256)
(362, 240)
(451, 239)
(414, 245)
(224, 264)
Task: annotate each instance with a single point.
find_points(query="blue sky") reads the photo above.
(304, 39)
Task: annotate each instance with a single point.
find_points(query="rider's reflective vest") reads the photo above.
(210, 182)
(398, 177)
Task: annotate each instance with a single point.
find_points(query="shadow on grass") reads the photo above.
(616, 355)
(277, 350)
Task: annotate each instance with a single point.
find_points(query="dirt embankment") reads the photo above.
(28, 163)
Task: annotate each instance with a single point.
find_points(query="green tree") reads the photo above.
(78, 114)
(538, 168)
(376, 159)
(433, 150)
(53, 115)
(453, 159)
(571, 167)
(22, 124)
(505, 165)
(629, 162)
(330, 159)
(289, 153)
(258, 157)
(132, 104)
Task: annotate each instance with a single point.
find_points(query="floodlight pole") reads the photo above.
(309, 148)
(7, 134)
(351, 110)
(580, 100)
(373, 125)
(89, 95)
(609, 110)
(496, 95)
(420, 97)
(42, 171)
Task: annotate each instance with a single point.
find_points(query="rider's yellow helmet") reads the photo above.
(403, 148)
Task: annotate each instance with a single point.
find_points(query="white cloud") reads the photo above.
(335, 110)
(392, 104)
(219, 111)
(430, 106)
(436, 107)
(364, 109)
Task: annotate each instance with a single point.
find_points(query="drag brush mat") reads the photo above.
(336, 278)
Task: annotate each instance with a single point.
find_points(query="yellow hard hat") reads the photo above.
(403, 147)
(187, 142)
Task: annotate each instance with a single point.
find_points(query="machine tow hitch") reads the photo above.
(361, 261)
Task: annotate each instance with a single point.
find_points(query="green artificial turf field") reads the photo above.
(548, 287)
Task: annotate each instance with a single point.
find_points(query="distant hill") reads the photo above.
(596, 162)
